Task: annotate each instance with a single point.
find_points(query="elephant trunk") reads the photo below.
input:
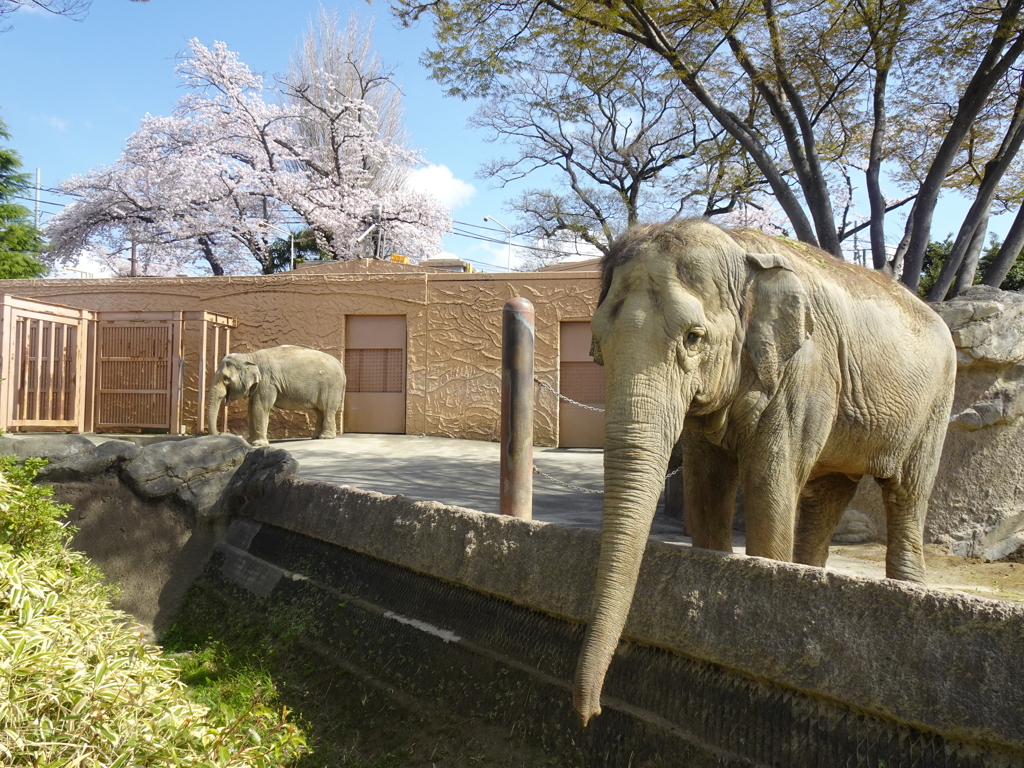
(214, 397)
(642, 423)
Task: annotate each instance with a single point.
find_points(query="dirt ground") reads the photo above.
(994, 579)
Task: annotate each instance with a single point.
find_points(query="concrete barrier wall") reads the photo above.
(937, 661)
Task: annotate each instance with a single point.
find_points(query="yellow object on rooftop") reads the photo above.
(399, 258)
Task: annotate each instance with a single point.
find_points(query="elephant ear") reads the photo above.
(251, 375)
(779, 319)
(595, 351)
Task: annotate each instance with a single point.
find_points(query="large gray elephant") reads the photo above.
(777, 366)
(289, 377)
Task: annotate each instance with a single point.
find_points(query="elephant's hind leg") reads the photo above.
(906, 504)
(822, 502)
(326, 428)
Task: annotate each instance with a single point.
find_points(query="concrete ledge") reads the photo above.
(941, 662)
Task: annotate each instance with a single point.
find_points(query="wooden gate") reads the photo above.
(139, 372)
(43, 363)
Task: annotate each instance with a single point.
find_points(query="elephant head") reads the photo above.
(687, 319)
(236, 377)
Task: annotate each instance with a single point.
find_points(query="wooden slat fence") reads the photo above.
(138, 371)
(73, 370)
(43, 364)
(215, 343)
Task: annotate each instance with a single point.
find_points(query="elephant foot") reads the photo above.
(258, 443)
(326, 436)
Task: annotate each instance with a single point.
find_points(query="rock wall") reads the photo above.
(977, 507)
(148, 516)
(941, 661)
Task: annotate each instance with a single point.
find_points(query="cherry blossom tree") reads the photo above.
(213, 183)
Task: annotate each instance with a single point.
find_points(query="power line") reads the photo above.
(553, 251)
(42, 202)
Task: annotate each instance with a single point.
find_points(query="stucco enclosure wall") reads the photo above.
(453, 320)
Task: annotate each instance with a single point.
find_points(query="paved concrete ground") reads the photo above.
(463, 473)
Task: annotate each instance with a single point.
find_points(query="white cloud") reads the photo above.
(58, 123)
(439, 181)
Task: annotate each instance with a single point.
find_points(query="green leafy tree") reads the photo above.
(820, 96)
(1014, 280)
(937, 253)
(20, 241)
(306, 249)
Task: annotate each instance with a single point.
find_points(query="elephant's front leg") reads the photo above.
(259, 416)
(769, 513)
(710, 479)
(772, 475)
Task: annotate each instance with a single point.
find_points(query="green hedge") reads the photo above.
(78, 685)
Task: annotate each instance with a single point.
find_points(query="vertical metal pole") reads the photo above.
(517, 409)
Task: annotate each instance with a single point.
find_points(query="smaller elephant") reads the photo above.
(289, 377)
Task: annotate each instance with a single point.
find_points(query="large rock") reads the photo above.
(977, 504)
(194, 471)
(977, 507)
(263, 469)
(52, 447)
(86, 465)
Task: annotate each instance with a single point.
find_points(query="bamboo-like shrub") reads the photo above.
(78, 685)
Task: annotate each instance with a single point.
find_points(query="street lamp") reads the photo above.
(491, 218)
(291, 238)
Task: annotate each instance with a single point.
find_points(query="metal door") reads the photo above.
(375, 348)
(581, 380)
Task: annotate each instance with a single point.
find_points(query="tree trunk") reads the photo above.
(990, 70)
(965, 275)
(977, 216)
(1008, 253)
(211, 258)
(876, 200)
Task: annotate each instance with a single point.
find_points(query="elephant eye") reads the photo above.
(694, 336)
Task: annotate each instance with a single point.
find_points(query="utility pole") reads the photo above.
(135, 262)
(37, 198)
(378, 234)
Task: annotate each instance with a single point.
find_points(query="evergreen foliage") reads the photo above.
(20, 241)
(937, 252)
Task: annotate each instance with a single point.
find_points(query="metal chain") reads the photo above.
(585, 490)
(560, 396)
(560, 482)
(581, 405)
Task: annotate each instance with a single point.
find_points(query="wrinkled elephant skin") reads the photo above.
(777, 367)
(289, 377)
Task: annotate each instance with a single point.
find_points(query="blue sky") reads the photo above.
(75, 90)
